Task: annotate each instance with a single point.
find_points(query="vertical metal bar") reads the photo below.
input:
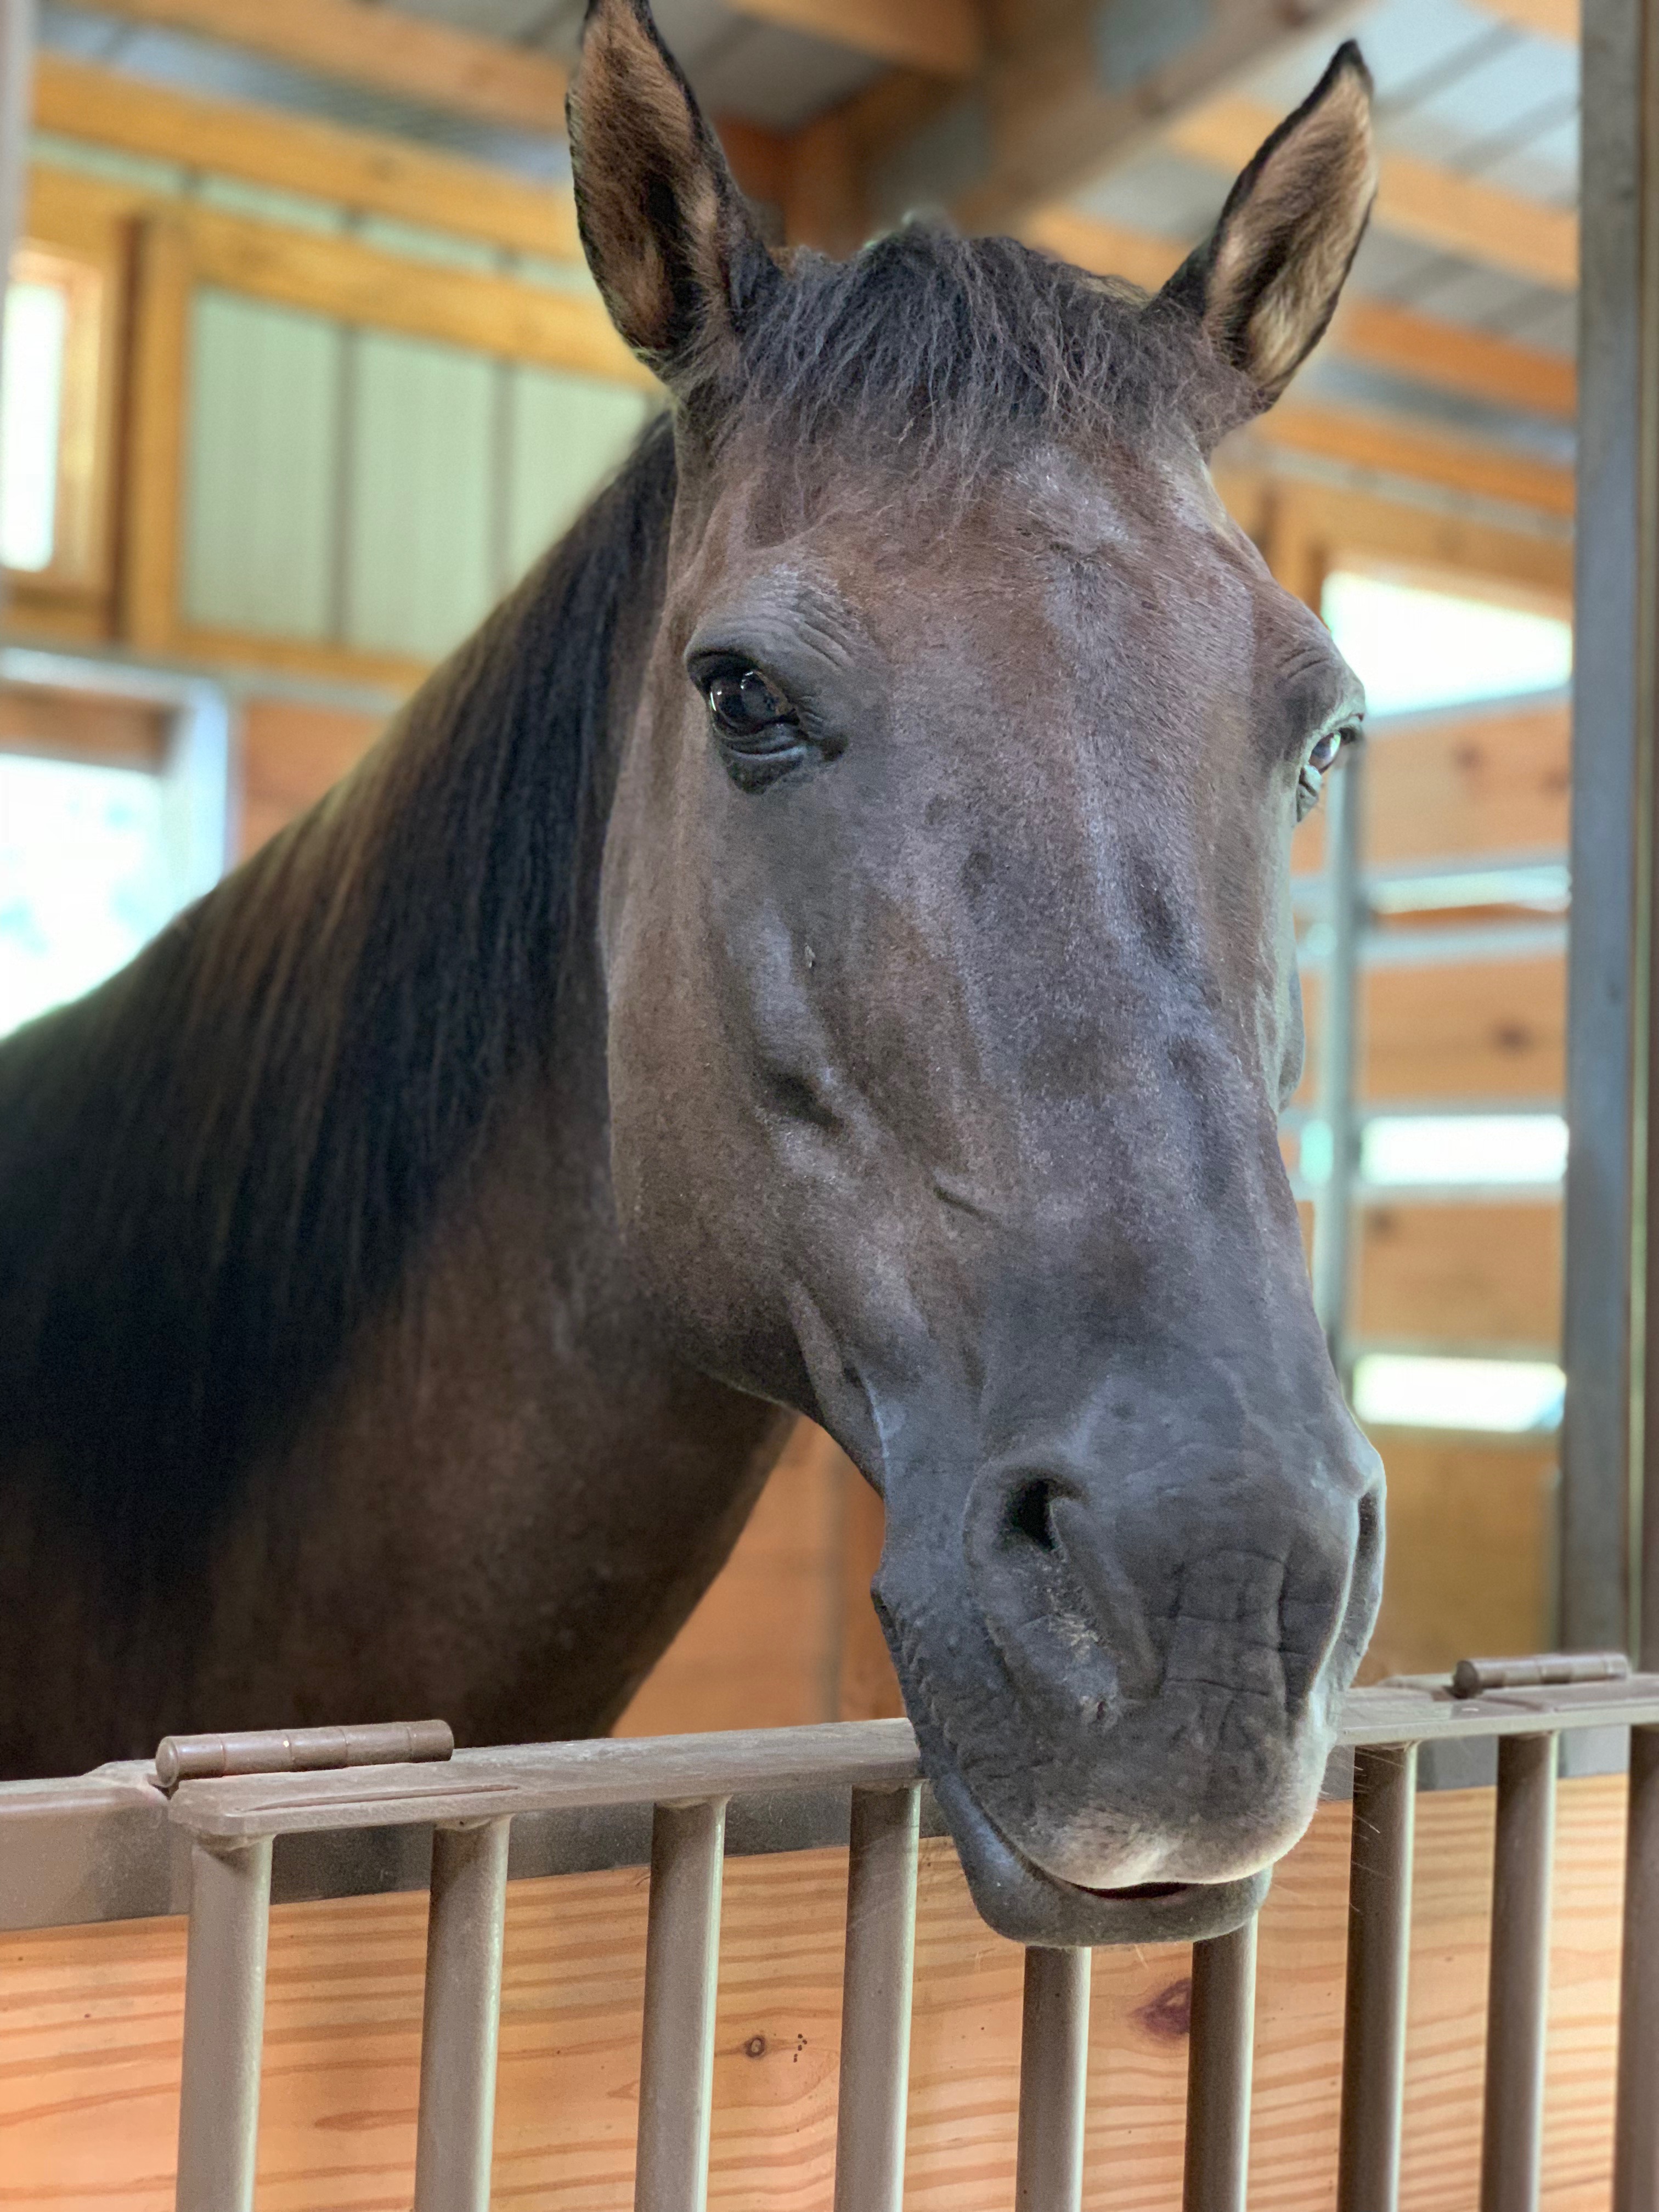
(224, 2025)
(682, 1965)
(1635, 2126)
(1379, 1955)
(1346, 911)
(461, 2019)
(1219, 2053)
(1609, 1040)
(1053, 2082)
(875, 2008)
(1512, 2145)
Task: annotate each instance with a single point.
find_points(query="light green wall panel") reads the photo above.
(421, 476)
(263, 467)
(566, 435)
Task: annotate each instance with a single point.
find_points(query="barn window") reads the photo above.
(53, 466)
(112, 816)
(1414, 648)
(1510, 1397)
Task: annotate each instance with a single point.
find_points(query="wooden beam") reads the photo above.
(1057, 101)
(1109, 249)
(352, 169)
(1421, 538)
(358, 283)
(941, 38)
(354, 43)
(1417, 200)
(1375, 442)
(1421, 348)
(1546, 18)
(1453, 358)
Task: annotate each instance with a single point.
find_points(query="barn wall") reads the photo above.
(372, 491)
(92, 2022)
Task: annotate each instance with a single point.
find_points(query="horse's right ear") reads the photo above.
(666, 232)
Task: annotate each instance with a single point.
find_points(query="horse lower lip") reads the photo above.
(1018, 1898)
(1148, 1889)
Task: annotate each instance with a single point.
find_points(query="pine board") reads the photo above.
(89, 2033)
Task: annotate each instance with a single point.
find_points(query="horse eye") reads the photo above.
(744, 703)
(1325, 753)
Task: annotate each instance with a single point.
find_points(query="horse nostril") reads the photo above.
(794, 1097)
(1031, 1514)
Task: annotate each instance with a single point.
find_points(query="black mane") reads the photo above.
(212, 1166)
(945, 347)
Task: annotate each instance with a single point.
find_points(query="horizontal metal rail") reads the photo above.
(227, 1827)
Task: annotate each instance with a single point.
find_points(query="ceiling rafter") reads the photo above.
(940, 38)
(355, 43)
(358, 170)
(1421, 349)
(1419, 200)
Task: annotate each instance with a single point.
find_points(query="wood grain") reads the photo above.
(358, 283)
(1461, 787)
(1472, 1275)
(430, 61)
(158, 401)
(353, 169)
(1471, 1549)
(89, 2037)
(1456, 1034)
(1473, 465)
(763, 1649)
(1433, 545)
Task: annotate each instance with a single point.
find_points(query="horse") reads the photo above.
(823, 946)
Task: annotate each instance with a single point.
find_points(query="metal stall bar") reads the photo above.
(224, 2024)
(875, 2009)
(682, 1967)
(1379, 1948)
(461, 2017)
(1219, 2061)
(1616, 612)
(1347, 913)
(1636, 2126)
(1053, 2082)
(1512, 2142)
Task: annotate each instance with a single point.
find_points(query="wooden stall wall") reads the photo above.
(90, 2021)
(1463, 1007)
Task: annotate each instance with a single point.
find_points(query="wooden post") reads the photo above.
(16, 73)
(158, 400)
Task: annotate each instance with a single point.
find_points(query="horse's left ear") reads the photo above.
(667, 234)
(1264, 284)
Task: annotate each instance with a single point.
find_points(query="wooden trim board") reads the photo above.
(419, 59)
(355, 170)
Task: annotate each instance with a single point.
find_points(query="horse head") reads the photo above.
(950, 973)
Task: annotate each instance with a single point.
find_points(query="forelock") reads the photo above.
(935, 348)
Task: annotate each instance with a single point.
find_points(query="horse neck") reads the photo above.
(215, 1169)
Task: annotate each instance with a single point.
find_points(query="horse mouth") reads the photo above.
(1020, 1900)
